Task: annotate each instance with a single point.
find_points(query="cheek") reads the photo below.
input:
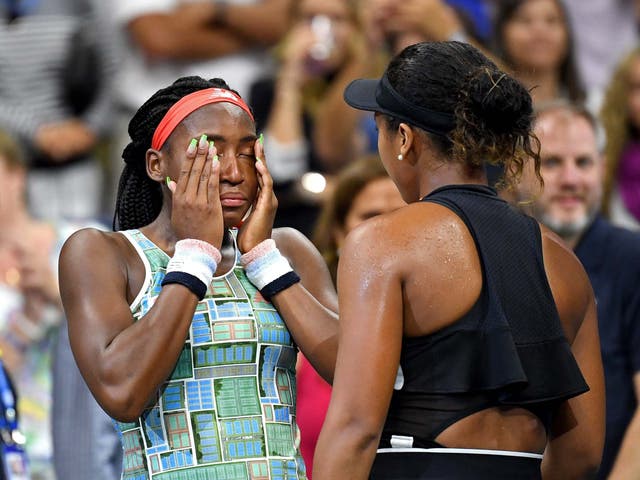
(515, 37)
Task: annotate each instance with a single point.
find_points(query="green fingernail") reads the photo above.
(192, 145)
(261, 139)
(215, 158)
(168, 180)
(258, 159)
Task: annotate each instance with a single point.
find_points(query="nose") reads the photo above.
(570, 174)
(229, 169)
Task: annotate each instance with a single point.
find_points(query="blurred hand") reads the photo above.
(64, 140)
(434, 19)
(257, 227)
(37, 278)
(374, 15)
(295, 54)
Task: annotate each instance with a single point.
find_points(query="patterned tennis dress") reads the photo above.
(228, 409)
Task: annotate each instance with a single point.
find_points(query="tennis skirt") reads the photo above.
(454, 464)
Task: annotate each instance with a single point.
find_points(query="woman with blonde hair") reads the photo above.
(621, 119)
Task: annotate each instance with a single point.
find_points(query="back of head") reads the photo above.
(139, 198)
(492, 113)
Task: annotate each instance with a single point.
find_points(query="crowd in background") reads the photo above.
(73, 72)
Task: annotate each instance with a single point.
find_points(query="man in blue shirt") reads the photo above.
(572, 168)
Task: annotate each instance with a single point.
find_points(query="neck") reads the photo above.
(544, 85)
(450, 173)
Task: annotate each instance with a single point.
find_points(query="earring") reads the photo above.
(400, 157)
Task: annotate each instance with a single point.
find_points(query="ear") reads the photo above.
(156, 167)
(407, 140)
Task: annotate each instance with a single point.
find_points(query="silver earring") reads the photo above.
(400, 157)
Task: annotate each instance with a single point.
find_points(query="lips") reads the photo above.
(232, 199)
(569, 201)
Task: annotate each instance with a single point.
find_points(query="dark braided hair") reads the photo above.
(139, 198)
(492, 110)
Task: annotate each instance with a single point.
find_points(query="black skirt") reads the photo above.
(458, 464)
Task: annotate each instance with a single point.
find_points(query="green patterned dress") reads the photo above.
(228, 409)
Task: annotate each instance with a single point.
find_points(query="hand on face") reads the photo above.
(196, 195)
(257, 227)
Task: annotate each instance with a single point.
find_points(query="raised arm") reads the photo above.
(123, 362)
(370, 295)
(185, 33)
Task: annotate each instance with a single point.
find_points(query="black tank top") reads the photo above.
(508, 350)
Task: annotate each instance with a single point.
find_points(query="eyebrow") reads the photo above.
(245, 139)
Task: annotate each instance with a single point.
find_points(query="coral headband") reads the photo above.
(187, 105)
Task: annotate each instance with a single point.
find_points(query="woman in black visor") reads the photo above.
(468, 343)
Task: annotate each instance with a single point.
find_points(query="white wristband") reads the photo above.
(268, 269)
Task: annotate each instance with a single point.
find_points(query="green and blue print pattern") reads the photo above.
(228, 410)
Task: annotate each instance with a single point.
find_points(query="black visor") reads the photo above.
(377, 95)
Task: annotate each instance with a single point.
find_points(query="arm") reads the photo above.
(263, 22)
(627, 463)
(370, 295)
(577, 432)
(309, 308)
(123, 362)
(184, 33)
(335, 122)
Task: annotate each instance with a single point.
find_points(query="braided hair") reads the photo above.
(139, 199)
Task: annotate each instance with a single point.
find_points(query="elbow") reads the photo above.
(122, 406)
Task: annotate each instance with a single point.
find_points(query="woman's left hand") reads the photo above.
(257, 227)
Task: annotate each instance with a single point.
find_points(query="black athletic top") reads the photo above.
(508, 350)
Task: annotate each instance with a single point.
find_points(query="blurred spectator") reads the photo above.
(533, 38)
(396, 25)
(572, 168)
(56, 62)
(307, 125)
(13, 460)
(362, 191)
(621, 118)
(32, 333)
(164, 40)
(603, 30)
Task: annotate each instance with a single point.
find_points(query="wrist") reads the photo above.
(193, 265)
(268, 269)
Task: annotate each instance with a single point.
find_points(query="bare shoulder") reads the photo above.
(568, 280)
(91, 241)
(418, 231)
(92, 251)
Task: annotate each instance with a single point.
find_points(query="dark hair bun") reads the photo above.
(498, 101)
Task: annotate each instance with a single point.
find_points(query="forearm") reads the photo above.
(627, 464)
(264, 22)
(285, 119)
(164, 36)
(344, 451)
(313, 327)
(335, 122)
(140, 358)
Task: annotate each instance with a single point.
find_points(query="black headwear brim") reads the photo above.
(378, 95)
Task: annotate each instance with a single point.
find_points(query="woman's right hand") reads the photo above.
(196, 211)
